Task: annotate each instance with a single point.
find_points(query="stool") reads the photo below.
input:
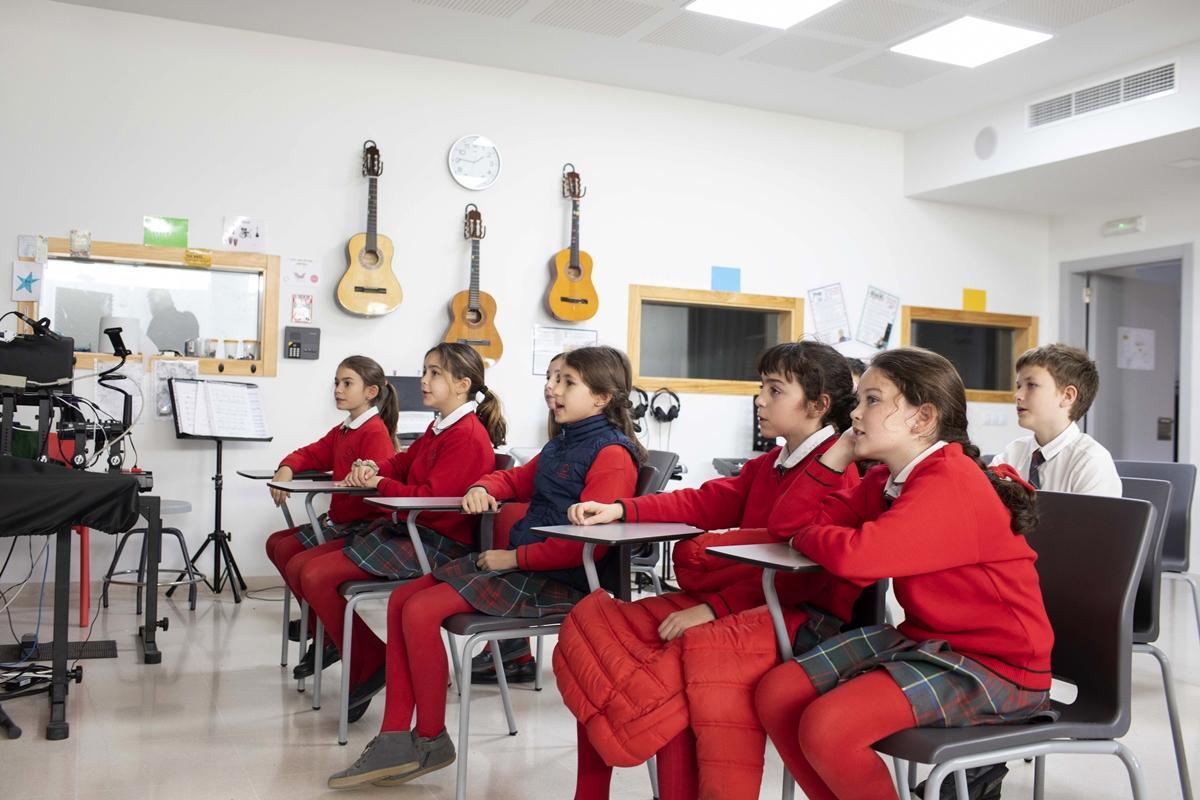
(169, 507)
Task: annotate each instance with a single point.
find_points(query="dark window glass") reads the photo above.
(982, 354)
(705, 342)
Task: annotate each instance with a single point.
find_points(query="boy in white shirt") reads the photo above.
(1056, 385)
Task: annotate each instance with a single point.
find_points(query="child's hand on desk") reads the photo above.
(593, 513)
(282, 475)
(477, 501)
(497, 560)
(363, 473)
(676, 623)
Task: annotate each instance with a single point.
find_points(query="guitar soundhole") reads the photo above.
(574, 273)
(473, 316)
(369, 258)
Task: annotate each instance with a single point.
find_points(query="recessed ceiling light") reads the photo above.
(1185, 163)
(969, 42)
(772, 13)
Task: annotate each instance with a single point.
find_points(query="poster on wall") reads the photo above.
(163, 372)
(878, 318)
(298, 272)
(1135, 348)
(26, 281)
(549, 341)
(244, 233)
(828, 307)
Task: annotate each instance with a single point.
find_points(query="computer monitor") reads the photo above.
(408, 392)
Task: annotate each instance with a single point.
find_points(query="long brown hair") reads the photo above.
(923, 376)
(819, 370)
(606, 370)
(461, 361)
(385, 399)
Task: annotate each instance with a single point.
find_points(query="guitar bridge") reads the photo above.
(576, 300)
(473, 342)
(370, 289)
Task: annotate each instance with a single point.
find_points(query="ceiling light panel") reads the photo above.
(970, 41)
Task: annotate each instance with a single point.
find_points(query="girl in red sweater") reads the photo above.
(975, 645)
(806, 397)
(361, 390)
(455, 451)
(594, 457)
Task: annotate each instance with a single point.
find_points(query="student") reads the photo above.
(805, 398)
(857, 368)
(975, 645)
(455, 451)
(1056, 385)
(594, 457)
(359, 388)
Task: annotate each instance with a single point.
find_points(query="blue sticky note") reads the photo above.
(726, 279)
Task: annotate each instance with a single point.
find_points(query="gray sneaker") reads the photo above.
(391, 753)
(433, 754)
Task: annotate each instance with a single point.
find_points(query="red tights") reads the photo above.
(417, 669)
(678, 772)
(825, 740)
(282, 546)
(318, 573)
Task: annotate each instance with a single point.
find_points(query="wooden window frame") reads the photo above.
(265, 265)
(791, 326)
(1024, 328)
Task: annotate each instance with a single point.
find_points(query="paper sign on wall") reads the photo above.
(1135, 348)
(244, 233)
(32, 248)
(878, 317)
(549, 341)
(828, 307)
(299, 272)
(165, 231)
(26, 281)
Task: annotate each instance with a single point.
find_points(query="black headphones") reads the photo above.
(637, 411)
(671, 412)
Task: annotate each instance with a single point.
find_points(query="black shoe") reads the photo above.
(522, 672)
(355, 713)
(360, 696)
(983, 783)
(308, 664)
(294, 631)
(510, 650)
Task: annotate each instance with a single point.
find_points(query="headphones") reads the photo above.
(671, 412)
(637, 411)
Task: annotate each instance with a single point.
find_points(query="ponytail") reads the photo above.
(389, 408)
(491, 416)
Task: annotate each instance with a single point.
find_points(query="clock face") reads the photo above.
(474, 162)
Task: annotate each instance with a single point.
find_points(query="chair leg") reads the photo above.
(537, 668)
(454, 665)
(1190, 580)
(1039, 778)
(303, 635)
(1137, 781)
(1185, 781)
(656, 583)
(188, 569)
(652, 765)
(906, 777)
(318, 665)
(464, 716)
(960, 783)
(502, 682)
(287, 617)
(789, 785)
(347, 647)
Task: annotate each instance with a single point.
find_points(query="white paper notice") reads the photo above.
(299, 272)
(165, 370)
(1135, 348)
(878, 317)
(828, 307)
(112, 401)
(244, 233)
(549, 341)
(27, 281)
(32, 248)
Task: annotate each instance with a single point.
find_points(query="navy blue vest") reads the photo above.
(561, 473)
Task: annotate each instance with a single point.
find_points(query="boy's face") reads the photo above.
(781, 406)
(1042, 405)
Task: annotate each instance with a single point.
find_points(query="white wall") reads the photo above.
(118, 115)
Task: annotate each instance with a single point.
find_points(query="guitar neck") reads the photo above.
(473, 292)
(371, 213)
(574, 232)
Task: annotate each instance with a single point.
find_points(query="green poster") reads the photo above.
(165, 231)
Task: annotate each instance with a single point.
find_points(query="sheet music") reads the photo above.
(224, 409)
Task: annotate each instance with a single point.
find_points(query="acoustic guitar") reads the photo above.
(473, 313)
(368, 288)
(572, 295)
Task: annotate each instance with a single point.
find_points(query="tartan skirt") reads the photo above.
(385, 549)
(330, 530)
(945, 689)
(516, 593)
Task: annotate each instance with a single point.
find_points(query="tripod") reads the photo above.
(219, 539)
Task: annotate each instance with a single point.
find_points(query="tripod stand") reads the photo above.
(219, 539)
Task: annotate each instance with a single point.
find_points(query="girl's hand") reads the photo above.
(841, 455)
(676, 623)
(593, 513)
(477, 501)
(282, 475)
(497, 560)
(361, 474)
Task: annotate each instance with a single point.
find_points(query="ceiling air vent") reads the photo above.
(1138, 86)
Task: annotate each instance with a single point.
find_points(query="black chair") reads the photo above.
(1177, 541)
(1093, 648)
(646, 558)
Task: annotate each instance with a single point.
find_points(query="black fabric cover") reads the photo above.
(40, 498)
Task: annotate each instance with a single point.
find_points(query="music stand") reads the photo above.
(218, 411)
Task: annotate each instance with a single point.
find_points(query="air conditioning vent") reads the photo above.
(1138, 86)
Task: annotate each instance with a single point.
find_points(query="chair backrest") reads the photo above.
(871, 606)
(1091, 551)
(1145, 607)
(1182, 477)
(664, 461)
(614, 569)
(505, 461)
(647, 480)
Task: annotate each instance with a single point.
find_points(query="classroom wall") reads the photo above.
(118, 115)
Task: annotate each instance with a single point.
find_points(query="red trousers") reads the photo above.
(825, 740)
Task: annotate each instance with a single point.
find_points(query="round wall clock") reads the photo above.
(474, 162)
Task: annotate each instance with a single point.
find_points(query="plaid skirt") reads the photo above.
(385, 549)
(330, 530)
(945, 689)
(820, 626)
(508, 594)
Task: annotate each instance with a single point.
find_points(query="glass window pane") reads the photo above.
(982, 354)
(705, 342)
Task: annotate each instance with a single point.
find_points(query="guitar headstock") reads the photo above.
(473, 227)
(372, 161)
(572, 184)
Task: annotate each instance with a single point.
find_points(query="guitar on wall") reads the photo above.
(368, 288)
(472, 312)
(572, 295)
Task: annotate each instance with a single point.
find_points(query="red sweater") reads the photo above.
(336, 451)
(959, 571)
(442, 465)
(612, 474)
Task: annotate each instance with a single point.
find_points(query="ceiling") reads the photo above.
(835, 65)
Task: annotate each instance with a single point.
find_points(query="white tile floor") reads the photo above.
(219, 719)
